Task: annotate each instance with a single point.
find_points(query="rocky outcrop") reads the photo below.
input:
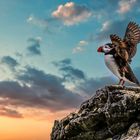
(113, 113)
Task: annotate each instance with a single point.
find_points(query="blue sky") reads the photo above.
(50, 46)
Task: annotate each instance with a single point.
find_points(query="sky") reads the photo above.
(49, 62)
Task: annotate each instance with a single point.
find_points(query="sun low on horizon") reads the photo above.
(49, 62)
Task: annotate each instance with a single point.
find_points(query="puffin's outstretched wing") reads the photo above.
(120, 47)
(127, 47)
(132, 38)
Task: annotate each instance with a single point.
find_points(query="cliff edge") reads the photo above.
(113, 113)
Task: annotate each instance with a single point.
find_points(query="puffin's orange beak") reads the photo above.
(100, 49)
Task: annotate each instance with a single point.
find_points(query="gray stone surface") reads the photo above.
(113, 113)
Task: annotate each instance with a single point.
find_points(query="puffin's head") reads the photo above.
(105, 48)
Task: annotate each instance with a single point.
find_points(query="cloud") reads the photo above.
(90, 85)
(35, 89)
(72, 73)
(37, 21)
(69, 72)
(111, 27)
(77, 49)
(82, 43)
(34, 48)
(10, 62)
(86, 86)
(71, 13)
(105, 26)
(8, 112)
(108, 27)
(80, 46)
(49, 25)
(126, 6)
(63, 63)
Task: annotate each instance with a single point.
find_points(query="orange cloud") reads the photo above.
(71, 13)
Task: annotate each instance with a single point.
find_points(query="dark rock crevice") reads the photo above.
(112, 113)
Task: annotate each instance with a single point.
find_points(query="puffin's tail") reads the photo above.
(131, 76)
(138, 83)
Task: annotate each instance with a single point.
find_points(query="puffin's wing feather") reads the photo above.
(132, 38)
(117, 41)
(120, 47)
(130, 75)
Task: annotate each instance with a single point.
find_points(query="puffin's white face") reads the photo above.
(105, 48)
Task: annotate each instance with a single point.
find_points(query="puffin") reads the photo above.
(119, 53)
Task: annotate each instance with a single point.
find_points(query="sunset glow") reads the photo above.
(24, 129)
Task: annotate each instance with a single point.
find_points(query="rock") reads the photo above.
(133, 133)
(113, 113)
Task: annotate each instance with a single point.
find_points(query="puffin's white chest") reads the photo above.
(111, 64)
